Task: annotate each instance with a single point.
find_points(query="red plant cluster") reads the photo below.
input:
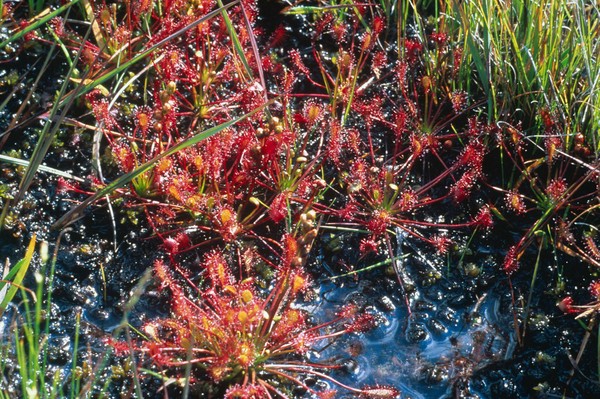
(554, 187)
(254, 145)
(256, 192)
(236, 332)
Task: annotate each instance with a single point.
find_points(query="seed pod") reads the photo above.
(310, 236)
(171, 87)
(260, 133)
(273, 122)
(297, 261)
(319, 184)
(164, 96)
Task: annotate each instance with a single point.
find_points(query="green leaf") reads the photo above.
(18, 273)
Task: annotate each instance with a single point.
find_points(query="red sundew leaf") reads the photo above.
(472, 155)
(327, 394)
(313, 112)
(348, 212)
(515, 202)
(462, 188)
(58, 26)
(441, 244)
(547, 119)
(378, 62)
(270, 149)
(297, 62)
(592, 248)
(556, 189)
(483, 219)
(367, 245)
(379, 222)
(278, 37)
(511, 262)
(362, 323)
(459, 100)
(290, 250)
(291, 323)
(474, 127)
(218, 269)
(552, 143)
(378, 25)
(348, 311)
(566, 305)
(334, 145)
(246, 391)
(413, 49)
(120, 348)
(299, 118)
(278, 209)
(595, 289)
(439, 38)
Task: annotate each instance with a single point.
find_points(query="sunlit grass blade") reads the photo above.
(236, 41)
(49, 130)
(43, 168)
(38, 23)
(364, 269)
(15, 277)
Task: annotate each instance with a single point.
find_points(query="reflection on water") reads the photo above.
(430, 352)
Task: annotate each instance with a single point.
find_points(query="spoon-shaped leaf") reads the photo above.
(74, 213)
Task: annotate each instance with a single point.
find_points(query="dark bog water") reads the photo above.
(458, 340)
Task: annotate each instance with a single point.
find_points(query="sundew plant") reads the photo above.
(238, 138)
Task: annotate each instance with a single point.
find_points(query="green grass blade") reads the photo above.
(47, 134)
(236, 41)
(38, 23)
(43, 168)
(18, 272)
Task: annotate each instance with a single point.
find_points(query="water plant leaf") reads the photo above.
(74, 213)
(134, 60)
(15, 277)
(38, 23)
(47, 135)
